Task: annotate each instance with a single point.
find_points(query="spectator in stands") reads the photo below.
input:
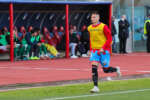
(56, 38)
(48, 37)
(71, 26)
(33, 41)
(3, 41)
(123, 33)
(16, 43)
(6, 30)
(24, 48)
(113, 33)
(75, 31)
(27, 38)
(50, 43)
(61, 33)
(16, 40)
(85, 40)
(73, 39)
(30, 28)
(41, 45)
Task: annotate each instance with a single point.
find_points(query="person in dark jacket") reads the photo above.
(113, 33)
(73, 41)
(84, 41)
(147, 33)
(123, 33)
(33, 41)
(62, 35)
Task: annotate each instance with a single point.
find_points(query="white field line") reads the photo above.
(103, 94)
(67, 69)
(138, 55)
(59, 69)
(39, 68)
(144, 71)
(131, 55)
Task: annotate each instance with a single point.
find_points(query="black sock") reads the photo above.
(110, 70)
(95, 75)
(113, 69)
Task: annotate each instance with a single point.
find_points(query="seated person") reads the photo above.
(49, 37)
(16, 42)
(24, 48)
(84, 41)
(3, 41)
(73, 41)
(41, 41)
(62, 43)
(33, 42)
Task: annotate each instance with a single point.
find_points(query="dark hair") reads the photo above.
(95, 12)
(3, 31)
(35, 30)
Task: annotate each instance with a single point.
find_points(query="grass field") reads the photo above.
(138, 89)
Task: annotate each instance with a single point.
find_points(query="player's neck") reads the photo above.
(95, 24)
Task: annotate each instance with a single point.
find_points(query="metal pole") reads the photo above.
(67, 31)
(11, 32)
(110, 14)
(132, 27)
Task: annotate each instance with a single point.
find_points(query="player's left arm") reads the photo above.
(108, 35)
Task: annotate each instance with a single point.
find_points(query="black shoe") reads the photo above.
(125, 52)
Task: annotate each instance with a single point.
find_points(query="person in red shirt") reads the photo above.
(100, 47)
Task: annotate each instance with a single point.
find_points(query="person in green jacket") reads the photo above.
(43, 50)
(16, 41)
(33, 41)
(24, 48)
(3, 41)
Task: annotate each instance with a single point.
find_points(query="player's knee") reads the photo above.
(94, 63)
(94, 67)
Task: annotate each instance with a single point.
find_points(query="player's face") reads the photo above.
(35, 33)
(95, 18)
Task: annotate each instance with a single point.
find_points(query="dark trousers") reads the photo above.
(35, 50)
(114, 45)
(83, 47)
(148, 44)
(87, 46)
(122, 46)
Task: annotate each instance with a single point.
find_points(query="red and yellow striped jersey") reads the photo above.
(100, 37)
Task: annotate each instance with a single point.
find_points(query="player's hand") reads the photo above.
(100, 51)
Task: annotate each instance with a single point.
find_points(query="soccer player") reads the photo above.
(100, 47)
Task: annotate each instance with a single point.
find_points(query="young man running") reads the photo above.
(100, 46)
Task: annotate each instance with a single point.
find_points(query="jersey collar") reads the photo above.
(96, 24)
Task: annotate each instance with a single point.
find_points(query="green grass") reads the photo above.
(83, 89)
